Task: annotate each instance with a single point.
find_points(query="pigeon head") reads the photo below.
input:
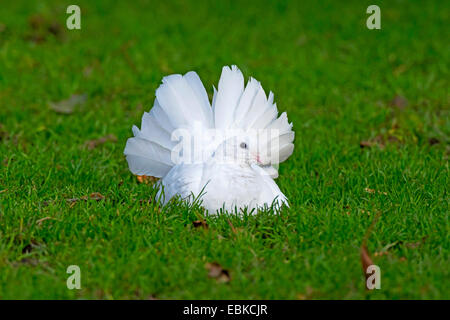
(237, 150)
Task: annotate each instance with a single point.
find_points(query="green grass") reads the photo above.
(334, 77)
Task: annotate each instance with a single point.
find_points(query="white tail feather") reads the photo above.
(182, 102)
(147, 158)
(231, 86)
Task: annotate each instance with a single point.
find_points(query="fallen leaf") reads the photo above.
(200, 224)
(42, 26)
(68, 106)
(93, 196)
(366, 144)
(366, 261)
(217, 272)
(39, 222)
(30, 246)
(391, 139)
(433, 141)
(381, 253)
(400, 69)
(377, 141)
(416, 244)
(307, 295)
(32, 261)
(54, 28)
(399, 102)
(386, 248)
(146, 179)
(92, 144)
(390, 245)
(368, 190)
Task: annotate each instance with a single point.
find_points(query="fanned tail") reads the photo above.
(181, 103)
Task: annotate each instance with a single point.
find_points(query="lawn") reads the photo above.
(370, 110)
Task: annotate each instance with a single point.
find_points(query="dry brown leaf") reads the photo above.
(366, 144)
(381, 253)
(366, 261)
(377, 141)
(433, 141)
(307, 295)
(200, 224)
(417, 244)
(146, 179)
(68, 106)
(39, 222)
(55, 28)
(92, 144)
(217, 272)
(30, 246)
(43, 26)
(399, 102)
(400, 69)
(93, 196)
(368, 190)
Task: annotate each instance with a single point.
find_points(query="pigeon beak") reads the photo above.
(258, 159)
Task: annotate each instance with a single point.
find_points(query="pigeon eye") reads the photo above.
(243, 145)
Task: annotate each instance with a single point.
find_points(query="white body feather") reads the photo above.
(182, 103)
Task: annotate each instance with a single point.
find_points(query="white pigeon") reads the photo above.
(223, 155)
